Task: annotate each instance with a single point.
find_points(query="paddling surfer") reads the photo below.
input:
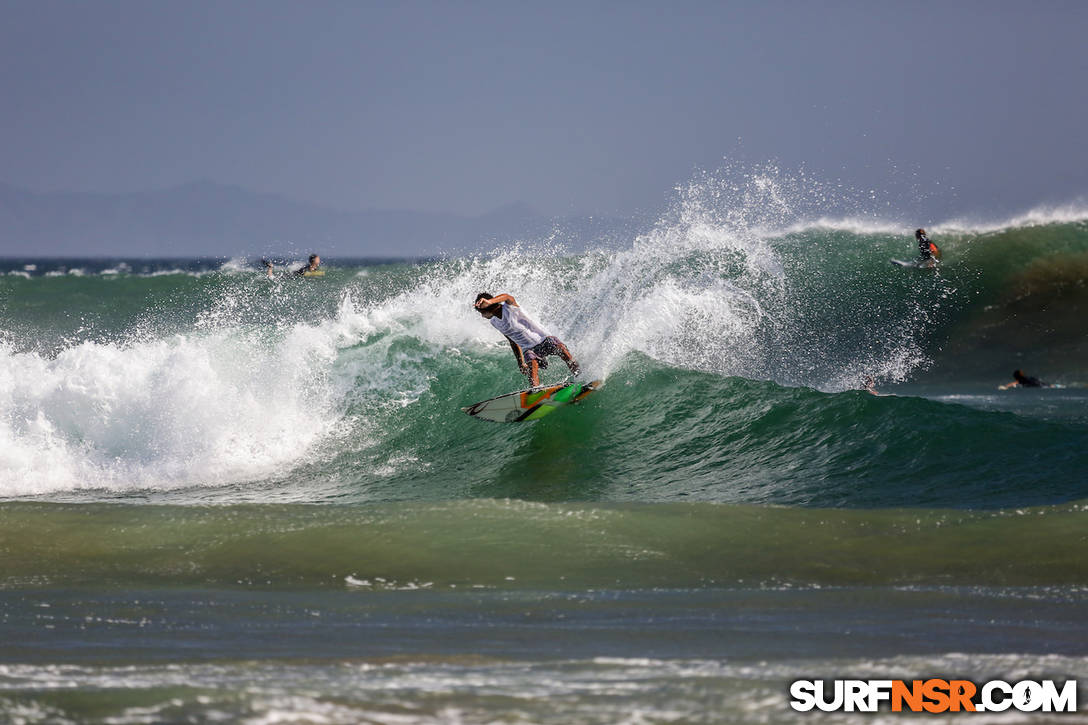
(1021, 380)
(311, 268)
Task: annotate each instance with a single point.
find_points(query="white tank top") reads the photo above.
(516, 325)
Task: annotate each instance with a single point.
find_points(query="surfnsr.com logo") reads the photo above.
(933, 695)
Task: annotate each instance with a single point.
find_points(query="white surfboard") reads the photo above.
(916, 263)
(531, 404)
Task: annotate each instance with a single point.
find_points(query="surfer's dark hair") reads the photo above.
(481, 296)
(312, 258)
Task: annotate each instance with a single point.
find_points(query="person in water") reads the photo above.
(870, 385)
(928, 253)
(1020, 380)
(269, 268)
(530, 343)
(315, 262)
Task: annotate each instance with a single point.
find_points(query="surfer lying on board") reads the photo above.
(311, 268)
(928, 253)
(530, 343)
(1020, 380)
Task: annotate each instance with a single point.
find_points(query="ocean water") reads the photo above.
(231, 498)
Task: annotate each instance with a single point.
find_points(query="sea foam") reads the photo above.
(188, 410)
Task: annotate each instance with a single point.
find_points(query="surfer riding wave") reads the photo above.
(530, 343)
(928, 252)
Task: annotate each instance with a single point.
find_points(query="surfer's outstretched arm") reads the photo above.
(496, 300)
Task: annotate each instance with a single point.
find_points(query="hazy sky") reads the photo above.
(599, 107)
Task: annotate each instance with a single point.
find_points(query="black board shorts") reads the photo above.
(540, 351)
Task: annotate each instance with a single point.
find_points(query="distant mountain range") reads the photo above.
(209, 219)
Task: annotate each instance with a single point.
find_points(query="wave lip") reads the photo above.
(1073, 212)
